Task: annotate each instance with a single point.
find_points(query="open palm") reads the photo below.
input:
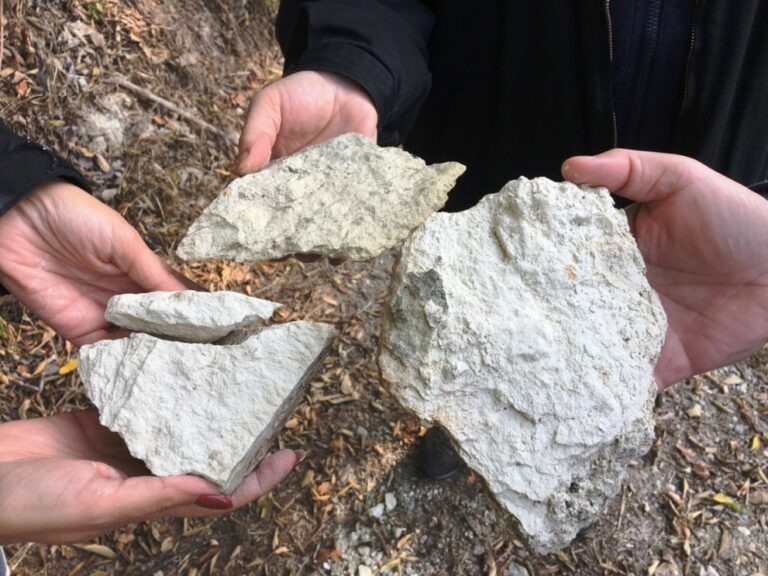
(67, 479)
(704, 239)
(65, 254)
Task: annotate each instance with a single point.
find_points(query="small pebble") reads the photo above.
(390, 500)
(376, 511)
(363, 570)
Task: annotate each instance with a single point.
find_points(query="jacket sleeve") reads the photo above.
(25, 165)
(382, 45)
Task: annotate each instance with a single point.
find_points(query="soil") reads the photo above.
(697, 504)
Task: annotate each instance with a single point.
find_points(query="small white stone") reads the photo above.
(346, 197)
(390, 501)
(376, 511)
(363, 570)
(188, 315)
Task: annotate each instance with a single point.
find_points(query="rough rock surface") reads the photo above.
(188, 315)
(526, 328)
(344, 198)
(202, 408)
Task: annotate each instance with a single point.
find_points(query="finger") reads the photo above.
(143, 266)
(639, 176)
(142, 497)
(259, 134)
(272, 470)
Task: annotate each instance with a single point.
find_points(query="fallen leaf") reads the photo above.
(22, 88)
(727, 501)
(102, 163)
(694, 411)
(97, 549)
(70, 366)
(756, 443)
(40, 368)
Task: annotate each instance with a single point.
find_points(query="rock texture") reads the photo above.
(189, 315)
(526, 328)
(343, 198)
(202, 409)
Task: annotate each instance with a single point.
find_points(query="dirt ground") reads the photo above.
(697, 504)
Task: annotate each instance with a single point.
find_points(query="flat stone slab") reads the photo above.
(525, 327)
(188, 315)
(210, 410)
(345, 198)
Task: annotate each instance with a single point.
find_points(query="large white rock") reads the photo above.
(346, 197)
(526, 328)
(188, 315)
(202, 409)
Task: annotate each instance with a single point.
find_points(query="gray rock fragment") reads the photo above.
(526, 328)
(203, 409)
(346, 198)
(188, 315)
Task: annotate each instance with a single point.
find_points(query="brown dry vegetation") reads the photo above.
(697, 504)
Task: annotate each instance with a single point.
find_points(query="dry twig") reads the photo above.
(125, 83)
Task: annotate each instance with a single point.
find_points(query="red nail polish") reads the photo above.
(215, 502)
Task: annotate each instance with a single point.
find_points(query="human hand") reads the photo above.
(704, 239)
(65, 254)
(68, 479)
(299, 110)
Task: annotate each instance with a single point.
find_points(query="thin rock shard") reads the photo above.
(346, 198)
(525, 327)
(188, 315)
(210, 410)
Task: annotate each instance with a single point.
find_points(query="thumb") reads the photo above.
(260, 131)
(272, 470)
(636, 175)
(142, 265)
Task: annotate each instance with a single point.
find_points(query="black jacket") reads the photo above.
(512, 88)
(25, 165)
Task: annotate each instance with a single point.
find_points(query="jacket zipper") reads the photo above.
(688, 61)
(607, 7)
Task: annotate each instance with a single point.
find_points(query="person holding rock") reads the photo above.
(64, 254)
(512, 89)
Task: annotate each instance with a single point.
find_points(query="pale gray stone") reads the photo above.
(346, 197)
(210, 410)
(526, 328)
(188, 315)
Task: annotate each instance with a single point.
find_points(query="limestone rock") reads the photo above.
(346, 198)
(188, 315)
(187, 408)
(526, 328)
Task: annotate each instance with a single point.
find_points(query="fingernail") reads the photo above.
(300, 455)
(215, 501)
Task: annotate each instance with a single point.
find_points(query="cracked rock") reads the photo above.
(525, 327)
(345, 198)
(210, 410)
(188, 315)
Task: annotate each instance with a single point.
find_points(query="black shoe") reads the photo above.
(437, 457)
